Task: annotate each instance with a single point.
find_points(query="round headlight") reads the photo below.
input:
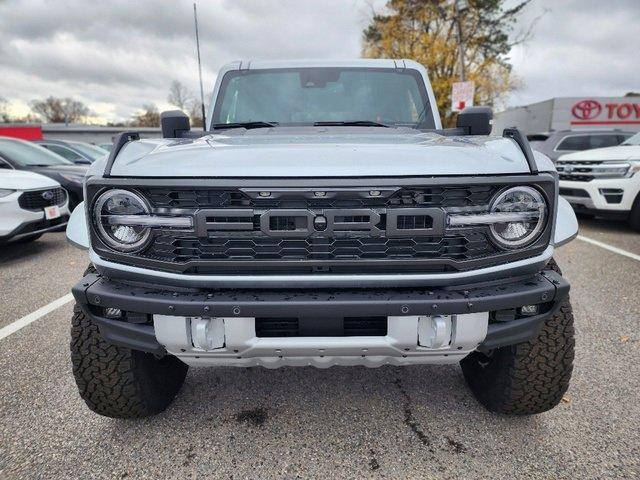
(112, 214)
(525, 213)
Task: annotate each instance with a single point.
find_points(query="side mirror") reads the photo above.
(475, 120)
(174, 123)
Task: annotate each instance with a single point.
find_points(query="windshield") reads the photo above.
(635, 140)
(29, 155)
(304, 96)
(92, 151)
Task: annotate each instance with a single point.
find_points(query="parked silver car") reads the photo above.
(561, 142)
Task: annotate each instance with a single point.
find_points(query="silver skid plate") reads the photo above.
(233, 342)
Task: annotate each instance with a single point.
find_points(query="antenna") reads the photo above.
(195, 19)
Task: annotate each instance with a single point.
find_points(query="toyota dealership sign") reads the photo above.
(594, 112)
(573, 113)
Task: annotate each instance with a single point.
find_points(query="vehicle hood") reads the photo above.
(24, 180)
(620, 152)
(319, 152)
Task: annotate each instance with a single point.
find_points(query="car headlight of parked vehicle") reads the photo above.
(634, 167)
(517, 216)
(616, 170)
(5, 192)
(123, 220)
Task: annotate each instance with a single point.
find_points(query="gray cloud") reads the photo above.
(127, 53)
(117, 55)
(585, 47)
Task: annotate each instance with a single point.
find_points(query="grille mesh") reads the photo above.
(37, 199)
(178, 248)
(346, 327)
(441, 196)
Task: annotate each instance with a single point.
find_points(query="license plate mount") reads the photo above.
(52, 212)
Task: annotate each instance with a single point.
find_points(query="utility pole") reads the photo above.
(460, 6)
(195, 21)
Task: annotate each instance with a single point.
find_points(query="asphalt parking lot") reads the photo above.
(412, 422)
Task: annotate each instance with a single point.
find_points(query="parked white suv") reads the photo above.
(30, 205)
(604, 181)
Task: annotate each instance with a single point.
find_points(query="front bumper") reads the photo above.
(157, 320)
(602, 195)
(17, 223)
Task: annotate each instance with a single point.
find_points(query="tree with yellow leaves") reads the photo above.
(426, 31)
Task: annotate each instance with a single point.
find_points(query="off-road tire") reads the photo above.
(530, 377)
(119, 382)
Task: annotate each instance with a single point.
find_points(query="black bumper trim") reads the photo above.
(97, 291)
(501, 334)
(50, 226)
(130, 335)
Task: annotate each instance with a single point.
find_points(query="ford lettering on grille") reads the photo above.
(394, 222)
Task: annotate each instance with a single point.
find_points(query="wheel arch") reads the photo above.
(77, 228)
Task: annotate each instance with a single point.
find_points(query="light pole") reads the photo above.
(460, 6)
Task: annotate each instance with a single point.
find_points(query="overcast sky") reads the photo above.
(117, 55)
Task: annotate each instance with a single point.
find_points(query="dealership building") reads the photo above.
(572, 113)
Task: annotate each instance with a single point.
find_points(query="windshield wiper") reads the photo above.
(351, 123)
(247, 125)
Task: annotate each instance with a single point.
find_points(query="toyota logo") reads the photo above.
(586, 109)
(48, 195)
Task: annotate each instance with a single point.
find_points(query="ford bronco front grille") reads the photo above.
(276, 229)
(333, 225)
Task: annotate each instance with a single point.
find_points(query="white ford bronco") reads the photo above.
(323, 218)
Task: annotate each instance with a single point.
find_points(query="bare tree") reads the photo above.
(148, 116)
(4, 115)
(60, 110)
(195, 110)
(179, 95)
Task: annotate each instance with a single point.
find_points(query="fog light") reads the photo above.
(434, 332)
(207, 333)
(111, 312)
(529, 310)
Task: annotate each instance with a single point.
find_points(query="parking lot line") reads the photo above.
(33, 316)
(611, 248)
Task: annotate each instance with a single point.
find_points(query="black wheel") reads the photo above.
(634, 216)
(530, 377)
(119, 382)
